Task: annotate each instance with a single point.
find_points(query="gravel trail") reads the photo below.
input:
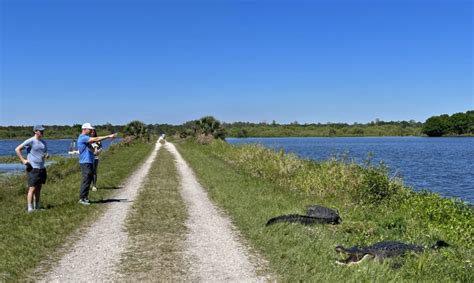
(94, 256)
(212, 248)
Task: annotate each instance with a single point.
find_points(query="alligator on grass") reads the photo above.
(381, 250)
(314, 214)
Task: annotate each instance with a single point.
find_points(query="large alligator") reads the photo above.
(382, 250)
(314, 214)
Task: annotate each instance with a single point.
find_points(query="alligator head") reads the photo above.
(355, 254)
(380, 251)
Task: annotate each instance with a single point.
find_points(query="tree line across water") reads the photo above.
(458, 124)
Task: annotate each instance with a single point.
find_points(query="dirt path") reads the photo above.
(94, 256)
(213, 249)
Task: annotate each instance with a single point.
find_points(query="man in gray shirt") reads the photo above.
(37, 152)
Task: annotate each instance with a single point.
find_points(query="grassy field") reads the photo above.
(29, 238)
(254, 184)
(156, 227)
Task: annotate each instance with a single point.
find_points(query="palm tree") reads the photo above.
(209, 125)
(137, 129)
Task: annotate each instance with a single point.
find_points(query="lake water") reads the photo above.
(442, 165)
(55, 147)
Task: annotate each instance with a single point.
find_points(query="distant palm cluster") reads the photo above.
(204, 130)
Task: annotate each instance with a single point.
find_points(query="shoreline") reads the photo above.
(255, 184)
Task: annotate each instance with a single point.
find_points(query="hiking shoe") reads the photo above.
(94, 188)
(84, 201)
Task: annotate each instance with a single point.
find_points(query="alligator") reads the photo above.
(314, 214)
(381, 250)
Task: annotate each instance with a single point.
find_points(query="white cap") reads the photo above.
(88, 126)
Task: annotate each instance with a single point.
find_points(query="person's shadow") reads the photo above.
(111, 188)
(110, 200)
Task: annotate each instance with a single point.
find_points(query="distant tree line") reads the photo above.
(295, 129)
(134, 128)
(208, 127)
(55, 131)
(455, 125)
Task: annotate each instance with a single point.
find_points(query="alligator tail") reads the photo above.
(294, 218)
(439, 244)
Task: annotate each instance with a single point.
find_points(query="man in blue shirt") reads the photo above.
(86, 159)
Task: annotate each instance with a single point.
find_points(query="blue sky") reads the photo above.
(67, 62)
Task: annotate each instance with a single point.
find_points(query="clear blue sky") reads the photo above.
(67, 62)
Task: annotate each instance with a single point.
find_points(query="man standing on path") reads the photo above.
(86, 159)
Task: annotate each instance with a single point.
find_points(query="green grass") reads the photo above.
(156, 226)
(254, 187)
(27, 239)
(14, 159)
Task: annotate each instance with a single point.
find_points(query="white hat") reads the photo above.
(88, 126)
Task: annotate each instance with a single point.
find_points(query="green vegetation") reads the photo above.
(376, 128)
(254, 184)
(9, 159)
(455, 125)
(137, 130)
(156, 226)
(28, 238)
(54, 131)
(204, 130)
(14, 159)
(72, 132)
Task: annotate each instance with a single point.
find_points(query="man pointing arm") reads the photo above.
(86, 159)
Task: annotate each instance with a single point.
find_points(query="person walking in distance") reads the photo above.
(97, 149)
(86, 159)
(37, 152)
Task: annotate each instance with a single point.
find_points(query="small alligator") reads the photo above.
(314, 214)
(381, 250)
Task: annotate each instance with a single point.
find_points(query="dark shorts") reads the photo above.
(37, 177)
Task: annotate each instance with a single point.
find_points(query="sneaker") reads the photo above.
(84, 201)
(94, 188)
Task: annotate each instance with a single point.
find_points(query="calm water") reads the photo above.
(55, 147)
(442, 165)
